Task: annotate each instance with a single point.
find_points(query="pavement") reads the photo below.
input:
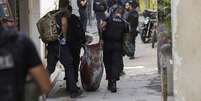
(141, 82)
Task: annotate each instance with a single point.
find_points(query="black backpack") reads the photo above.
(100, 5)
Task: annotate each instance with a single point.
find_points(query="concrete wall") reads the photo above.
(24, 16)
(29, 14)
(186, 17)
(34, 15)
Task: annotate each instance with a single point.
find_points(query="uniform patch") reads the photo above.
(6, 60)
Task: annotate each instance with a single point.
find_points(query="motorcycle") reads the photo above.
(149, 33)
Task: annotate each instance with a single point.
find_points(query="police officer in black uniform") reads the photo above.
(114, 29)
(18, 57)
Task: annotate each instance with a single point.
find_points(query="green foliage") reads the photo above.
(164, 15)
(168, 23)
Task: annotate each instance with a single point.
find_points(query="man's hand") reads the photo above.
(101, 43)
(83, 2)
(103, 25)
(41, 76)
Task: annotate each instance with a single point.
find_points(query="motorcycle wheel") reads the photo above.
(144, 38)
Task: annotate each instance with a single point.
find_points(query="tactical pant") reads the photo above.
(83, 18)
(57, 52)
(113, 61)
(133, 40)
(76, 60)
(122, 64)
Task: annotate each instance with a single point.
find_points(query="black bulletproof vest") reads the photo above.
(114, 30)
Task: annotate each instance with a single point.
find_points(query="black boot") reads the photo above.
(109, 86)
(122, 73)
(113, 88)
(132, 58)
(76, 93)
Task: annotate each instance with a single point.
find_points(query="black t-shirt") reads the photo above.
(133, 20)
(17, 56)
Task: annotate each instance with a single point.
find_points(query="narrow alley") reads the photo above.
(141, 82)
(41, 40)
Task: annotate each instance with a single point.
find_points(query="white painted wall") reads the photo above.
(186, 17)
(47, 5)
(24, 16)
